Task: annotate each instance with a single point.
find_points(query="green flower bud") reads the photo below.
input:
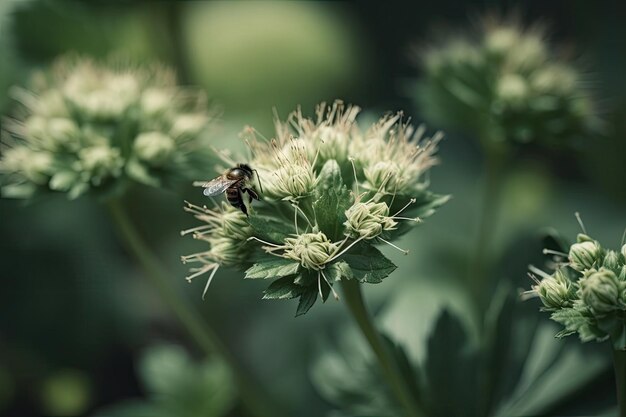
(368, 220)
(555, 291)
(624, 253)
(312, 250)
(584, 255)
(611, 260)
(154, 147)
(600, 290)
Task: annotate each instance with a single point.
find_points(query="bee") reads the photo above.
(234, 182)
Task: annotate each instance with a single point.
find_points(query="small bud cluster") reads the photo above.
(505, 84)
(587, 293)
(226, 231)
(87, 127)
(331, 191)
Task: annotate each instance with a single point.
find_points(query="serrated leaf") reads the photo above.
(338, 270)
(283, 289)
(368, 264)
(307, 300)
(332, 200)
(269, 228)
(274, 268)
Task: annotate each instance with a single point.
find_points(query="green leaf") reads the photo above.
(135, 408)
(332, 200)
(275, 268)
(307, 299)
(270, 228)
(368, 264)
(338, 270)
(283, 288)
(453, 393)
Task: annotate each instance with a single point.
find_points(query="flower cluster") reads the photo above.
(587, 291)
(85, 126)
(504, 84)
(331, 191)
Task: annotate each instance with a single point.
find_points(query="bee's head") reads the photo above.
(246, 169)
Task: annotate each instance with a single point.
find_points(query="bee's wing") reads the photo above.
(217, 186)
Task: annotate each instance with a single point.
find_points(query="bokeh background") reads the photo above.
(75, 314)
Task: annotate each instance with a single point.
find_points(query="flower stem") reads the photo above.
(619, 361)
(389, 367)
(480, 270)
(256, 403)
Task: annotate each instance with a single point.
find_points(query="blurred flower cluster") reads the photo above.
(587, 294)
(505, 84)
(331, 191)
(85, 126)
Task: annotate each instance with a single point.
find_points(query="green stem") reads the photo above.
(480, 270)
(389, 367)
(619, 361)
(254, 401)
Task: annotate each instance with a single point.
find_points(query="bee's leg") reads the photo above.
(242, 205)
(251, 194)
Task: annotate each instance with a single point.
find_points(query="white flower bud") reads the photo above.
(334, 144)
(600, 291)
(559, 79)
(512, 89)
(555, 291)
(188, 124)
(312, 250)
(624, 252)
(368, 220)
(154, 147)
(584, 255)
(155, 101)
(100, 161)
(36, 166)
(288, 180)
(500, 40)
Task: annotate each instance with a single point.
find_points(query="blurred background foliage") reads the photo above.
(75, 317)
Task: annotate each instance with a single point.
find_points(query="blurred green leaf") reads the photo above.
(177, 386)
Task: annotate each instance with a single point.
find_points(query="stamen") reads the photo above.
(554, 252)
(331, 287)
(580, 222)
(210, 279)
(194, 229)
(538, 271)
(411, 201)
(319, 284)
(405, 251)
(297, 207)
(274, 245)
(356, 180)
(527, 295)
(332, 258)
